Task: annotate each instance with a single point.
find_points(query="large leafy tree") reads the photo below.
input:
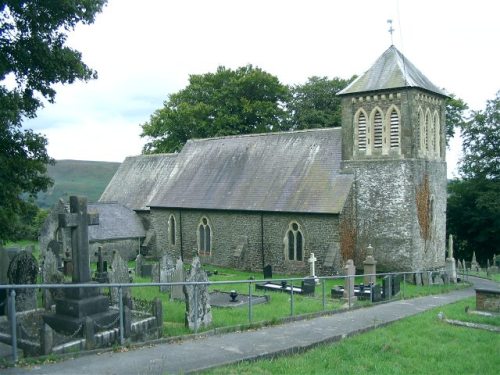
(227, 102)
(315, 104)
(456, 110)
(474, 202)
(33, 57)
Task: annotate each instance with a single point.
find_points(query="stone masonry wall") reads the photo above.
(385, 194)
(234, 231)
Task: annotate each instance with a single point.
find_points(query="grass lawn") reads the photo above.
(421, 344)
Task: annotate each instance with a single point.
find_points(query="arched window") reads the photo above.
(420, 127)
(361, 126)
(437, 135)
(394, 127)
(294, 242)
(204, 237)
(430, 134)
(377, 130)
(425, 132)
(171, 229)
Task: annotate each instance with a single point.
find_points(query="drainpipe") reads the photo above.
(262, 238)
(180, 235)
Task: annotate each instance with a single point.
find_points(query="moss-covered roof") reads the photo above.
(277, 172)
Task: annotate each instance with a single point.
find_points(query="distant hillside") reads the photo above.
(77, 177)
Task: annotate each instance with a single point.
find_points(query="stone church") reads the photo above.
(251, 200)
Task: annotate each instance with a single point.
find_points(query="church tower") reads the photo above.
(393, 141)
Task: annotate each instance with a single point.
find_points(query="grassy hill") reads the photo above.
(77, 177)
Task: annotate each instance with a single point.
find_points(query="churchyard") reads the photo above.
(65, 305)
(422, 344)
(273, 308)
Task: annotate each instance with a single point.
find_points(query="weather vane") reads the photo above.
(391, 30)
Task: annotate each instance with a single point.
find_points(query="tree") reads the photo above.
(455, 115)
(227, 102)
(33, 57)
(474, 202)
(315, 104)
(481, 143)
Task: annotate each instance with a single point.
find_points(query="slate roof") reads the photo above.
(137, 180)
(278, 172)
(115, 222)
(391, 70)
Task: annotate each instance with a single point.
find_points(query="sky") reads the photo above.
(144, 51)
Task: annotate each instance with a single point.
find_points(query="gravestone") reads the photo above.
(396, 284)
(177, 292)
(376, 293)
(155, 273)
(450, 262)
(56, 248)
(167, 268)
(268, 272)
(312, 267)
(386, 286)
(308, 285)
(51, 275)
(370, 267)
(426, 278)
(198, 309)
(101, 274)
(118, 274)
(474, 265)
(139, 260)
(23, 269)
(6, 256)
(350, 271)
(79, 303)
(418, 278)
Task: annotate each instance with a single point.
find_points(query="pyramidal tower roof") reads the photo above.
(392, 70)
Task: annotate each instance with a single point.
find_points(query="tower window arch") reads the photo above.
(394, 129)
(420, 128)
(430, 134)
(425, 131)
(361, 130)
(437, 135)
(204, 237)
(171, 229)
(377, 129)
(294, 242)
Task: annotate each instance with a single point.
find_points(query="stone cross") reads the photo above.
(78, 220)
(312, 260)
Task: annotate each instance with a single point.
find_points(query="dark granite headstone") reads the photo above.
(376, 293)
(308, 285)
(268, 272)
(146, 270)
(101, 274)
(386, 287)
(396, 284)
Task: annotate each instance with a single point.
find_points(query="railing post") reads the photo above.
(404, 284)
(291, 298)
(13, 323)
(323, 292)
(120, 304)
(250, 302)
(195, 308)
(349, 291)
(390, 286)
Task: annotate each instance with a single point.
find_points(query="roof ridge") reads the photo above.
(263, 134)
